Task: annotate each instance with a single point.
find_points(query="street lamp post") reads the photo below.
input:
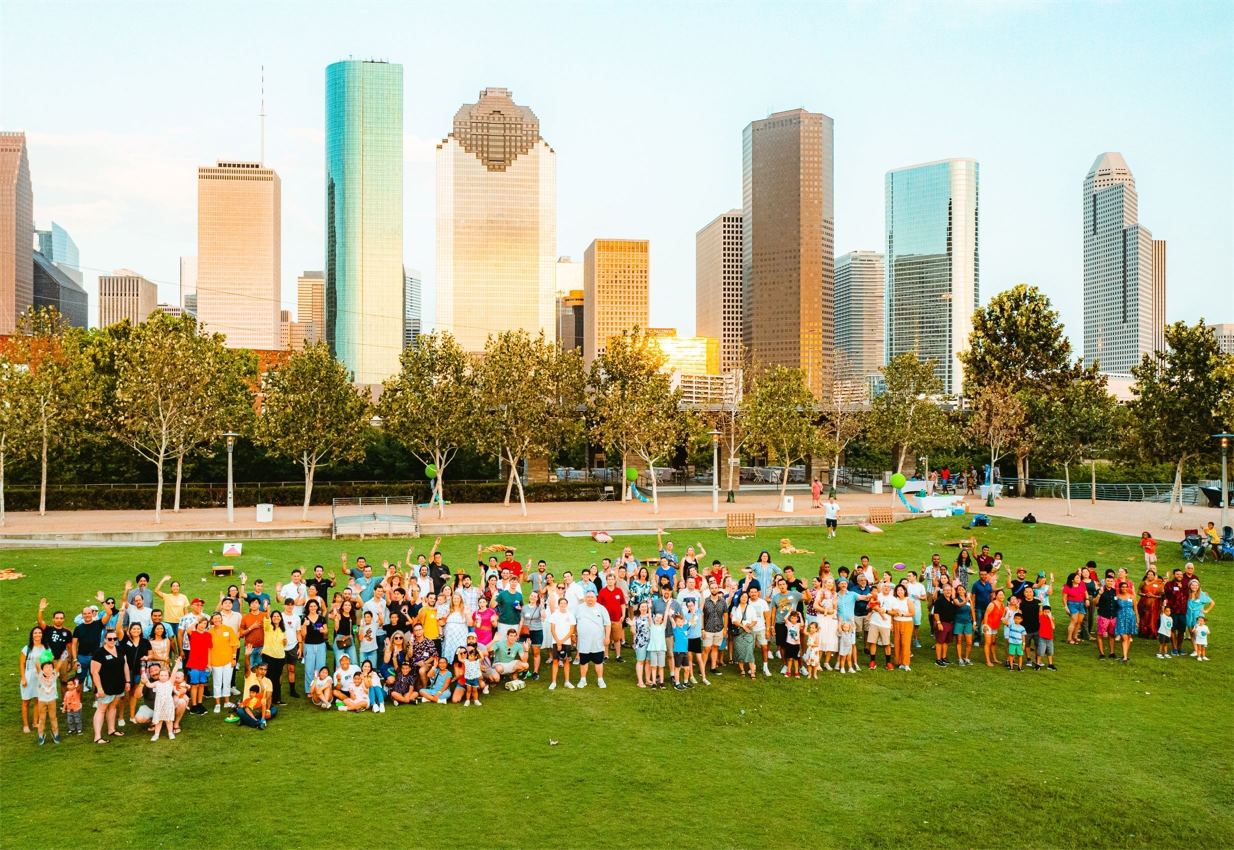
(230, 437)
(1225, 480)
(715, 471)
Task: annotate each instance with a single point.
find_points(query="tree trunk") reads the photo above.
(179, 477)
(900, 453)
(835, 470)
(625, 485)
(509, 484)
(1067, 477)
(1020, 468)
(158, 490)
(655, 492)
(732, 467)
(441, 498)
(522, 501)
(1175, 492)
(783, 485)
(310, 469)
(43, 481)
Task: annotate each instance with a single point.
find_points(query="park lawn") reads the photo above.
(1098, 754)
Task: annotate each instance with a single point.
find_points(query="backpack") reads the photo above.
(1030, 519)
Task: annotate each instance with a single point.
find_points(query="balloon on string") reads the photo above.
(431, 470)
(898, 481)
(631, 473)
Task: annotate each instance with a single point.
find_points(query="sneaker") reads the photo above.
(827, 666)
(552, 686)
(890, 666)
(582, 683)
(784, 669)
(1159, 655)
(693, 681)
(687, 684)
(677, 686)
(120, 722)
(235, 692)
(41, 739)
(1101, 656)
(342, 708)
(171, 736)
(1051, 667)
(600, 683)
(570, 685)
(229, 705)
(766, 670)
(1193, 655)
(476, 702)
(907, 669)
(873, 665)
(707, 682)
(262, 725)
(535, 677)
(785, 672)
(916, 644)
(467, 702)
(939, 663)
(778, 655)
(484, 691)
(217, 708)
(56, 737)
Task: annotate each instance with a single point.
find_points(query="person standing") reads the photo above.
(561, 627)
(816, 493)
(592, 626)
(743, 640)
(223, 644)
(1125, 621)
(900, 607)
(832, 515)
(613, 598)
(110, 674)
(1176, 596)
(715, 627)
(943, 618)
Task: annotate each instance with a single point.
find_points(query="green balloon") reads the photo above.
(898, 481)
(431, 470)
(631, 473)
(45, 657)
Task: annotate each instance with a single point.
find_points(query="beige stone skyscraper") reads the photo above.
(239, 253)
(311, 304)
(125, 294)
(615, 287)
(496, 223)
(717, 286)
(16, 230)
(788, 252)
(1158, 295)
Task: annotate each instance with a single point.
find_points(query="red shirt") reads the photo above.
(515, 568)
(613, 600)
(199, 650)
(1045, 629)
(1149, 545)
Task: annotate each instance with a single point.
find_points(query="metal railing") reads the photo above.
(222, 485)
(1056, 488)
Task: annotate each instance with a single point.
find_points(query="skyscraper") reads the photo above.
(616, 274)
(16, 230)
(412, 284)
(58, 247)
(1120, 318)
(932, 263)
(571, 316)
(1158, 295)
(125, 294)
(860, 311)
(496, 223)
(311, 304)
(364, 217)
(239, 253)
(188, 284)
(788, 251)
(717, 286)
(54, 287)
(1225, 337)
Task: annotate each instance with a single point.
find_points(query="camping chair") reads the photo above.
(1195, 545)
(1226, 546)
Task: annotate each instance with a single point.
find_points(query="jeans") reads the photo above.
(376, 696)
(84, 675)
(350, 652)
(247, 719)
(369, 655)
(314, 659)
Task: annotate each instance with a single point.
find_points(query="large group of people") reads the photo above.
(419, 632)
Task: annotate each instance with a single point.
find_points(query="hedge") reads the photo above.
(71, 498)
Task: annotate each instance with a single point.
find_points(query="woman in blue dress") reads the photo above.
(1125, 622)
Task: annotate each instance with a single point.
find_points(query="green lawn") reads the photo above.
(1097, 754)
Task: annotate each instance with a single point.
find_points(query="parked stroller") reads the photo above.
(1225, 548)
(1195, 545)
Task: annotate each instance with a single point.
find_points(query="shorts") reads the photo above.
(781, 634)
(1075, 608)
(1015, 649)
(537, 638)
(681, 659)
(942, 633)
(832, 523)
(713, 639)
(965, 628)
(792, 651)
(1180, 625)
(199, 677)
(760, 638)
(656, 657)
(1105, 626)
(564, 653)
(591, 657)
(989, 631)
(861, 624)
(879, 636)
(104, 699)
(1045, 646)
(695, 644)
(640, 654)
(144, 713)
(472, 683)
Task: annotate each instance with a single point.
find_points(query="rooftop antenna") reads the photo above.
(263, 116)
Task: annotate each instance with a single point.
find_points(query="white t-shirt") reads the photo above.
(292, 623)
(295, 592)
(343, 678)
(899, 609)
(379, 610)
(232, 620)
(560, 623)
(368, 637)
(917, 592)
(574, 596)
(592, 623)
(833, 510)
(756, 614)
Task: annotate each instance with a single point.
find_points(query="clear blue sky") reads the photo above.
(645, 104)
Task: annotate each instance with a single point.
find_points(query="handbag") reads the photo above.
(343, 642)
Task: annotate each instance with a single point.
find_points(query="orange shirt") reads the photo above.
(252, 627)
(1149, 545)
(223, 645)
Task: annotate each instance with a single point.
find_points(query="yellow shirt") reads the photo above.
(267, 688)
(276, 641)
(428, 618)
(175, 606)
(224, 645)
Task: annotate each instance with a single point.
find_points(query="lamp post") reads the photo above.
(1225, 481)
(715, 471)
(230, 437)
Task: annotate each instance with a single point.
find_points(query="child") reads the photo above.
(1199, 639)
(1164, 632)
(1045, 639)
(814, 647)
(357, 697)
(164, 703)
(48, 695)
(1149, 545)
(848, 649)
(657, 645)
(792, 645)
(471, 675)
(1015, 643)
(181, 697)
(72, 706)
(680, 659)
(368, 640)
(250, 709)
(320, 689)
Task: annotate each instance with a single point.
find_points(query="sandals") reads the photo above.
(101, 741)
(116, 734)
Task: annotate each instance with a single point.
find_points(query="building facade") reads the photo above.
(1225, 337)
(1159, 319)
(125, 294)
(58, 247)
(54, 287)
(364, 217)
(571, 316)
(16, 230)
(860, 311)
(717, 286)
(788, 251)
(239, 253)
(188, 284)
(1120, 323)
(496, 223)
(616, 276)
(311, 304)
(412, 306)
(932, 263)
(690, 355)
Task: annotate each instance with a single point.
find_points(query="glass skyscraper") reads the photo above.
(932, 263)
(58, 247)
(364, 217)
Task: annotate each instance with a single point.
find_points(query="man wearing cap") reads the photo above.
(1019, 583)
(592, 627)
(257, 676)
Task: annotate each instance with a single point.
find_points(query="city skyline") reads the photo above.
(621, 183)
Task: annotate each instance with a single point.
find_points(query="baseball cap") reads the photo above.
(1041, 574)
(198, 601)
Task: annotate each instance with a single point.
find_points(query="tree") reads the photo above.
(1181, 395)
(530, 391)
(906, 416)
(781, 420)
(14, 425)
(1017, 343)
(312, 413)
(54, 401)
(997, 416)
(432, 406)
(1077, 420)
(844, 413)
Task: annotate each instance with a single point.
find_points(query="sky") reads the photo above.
(644, 105)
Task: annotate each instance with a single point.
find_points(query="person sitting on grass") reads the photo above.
(509, 655)
(356, 698)
(402, 684)
(321, 689)
(250, 709)
(258, 677)
(376, 693)
(438, 688)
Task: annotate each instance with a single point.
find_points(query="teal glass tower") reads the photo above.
(364, 217)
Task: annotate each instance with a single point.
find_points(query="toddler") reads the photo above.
(250, 710)
(792, 645)
(72, 706)
(48, 695)
(848, 649)
(1199, 639)
(164, 703)
(814, 645)
(471, 676)
(1164, 630)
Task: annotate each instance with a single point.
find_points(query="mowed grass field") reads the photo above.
(1096, 755)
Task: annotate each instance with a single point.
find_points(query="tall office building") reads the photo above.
(1158, 295)
(568, 274)
(616, 275)
(311, 304)
(932, 263)
(59, 248)
(16, 230)
(1120, 301)
(239, 253)
(860, 311)
(364, 217)
(717, 286)
(788, 250)
(691, 355)
(496, 223)
(1225, 337)
(188, 284)
(412, 306)
(124, 295)
(54, 287)
(571, 317)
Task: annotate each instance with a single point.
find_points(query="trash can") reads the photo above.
(876, 486)
(265, 513)
(787, 505)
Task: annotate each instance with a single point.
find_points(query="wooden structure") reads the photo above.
(222, 570)
(739, 526)
(881, 516)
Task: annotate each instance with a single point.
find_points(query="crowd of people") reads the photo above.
(420, 632)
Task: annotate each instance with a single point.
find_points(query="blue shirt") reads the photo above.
(694, 628)
(681, 636)
(669, 571)
(365, 585)
(846, 605)
(1015, 633)
(764, 573)
(981, 593)
(668, 556)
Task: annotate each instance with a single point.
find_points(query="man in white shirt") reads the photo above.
(758, 607)
(561, 631)
(833, 515)
(291, 642)
(574, 592)
(878, 632)
(297, 592)
(592, 624)
(381, 615)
